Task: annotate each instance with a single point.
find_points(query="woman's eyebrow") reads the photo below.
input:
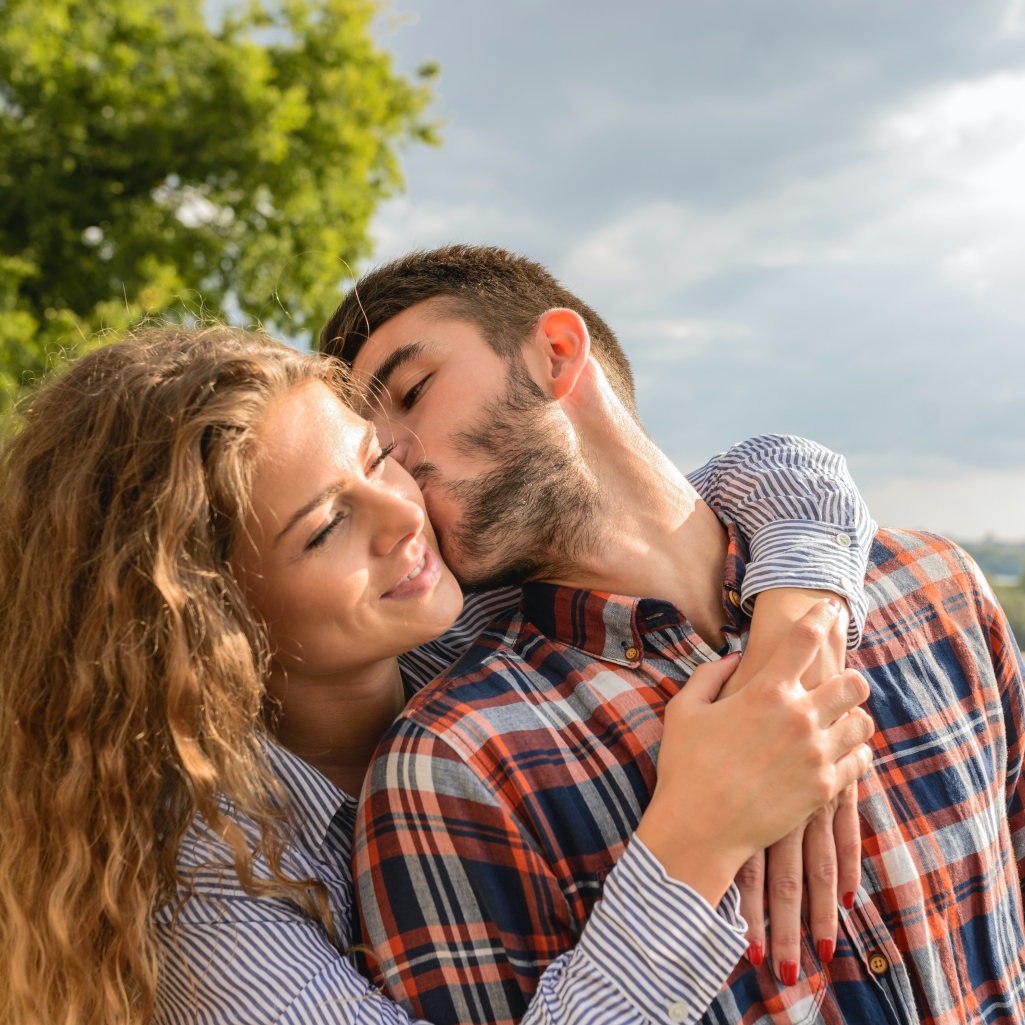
(369, 433)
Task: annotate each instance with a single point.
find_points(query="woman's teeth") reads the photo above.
(419, 568)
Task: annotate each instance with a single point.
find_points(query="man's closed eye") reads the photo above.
(413, 394)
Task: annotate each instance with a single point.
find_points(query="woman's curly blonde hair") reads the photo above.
(131, 670)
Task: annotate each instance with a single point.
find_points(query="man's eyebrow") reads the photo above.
(369, 434)
(399, 358)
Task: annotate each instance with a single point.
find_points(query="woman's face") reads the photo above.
(340, 559)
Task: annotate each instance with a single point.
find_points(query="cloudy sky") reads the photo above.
(800, 216)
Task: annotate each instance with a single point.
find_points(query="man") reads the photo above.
(535, 468)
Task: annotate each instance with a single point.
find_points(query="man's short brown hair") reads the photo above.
(502, 293)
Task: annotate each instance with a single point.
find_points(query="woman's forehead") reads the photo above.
(310, 424)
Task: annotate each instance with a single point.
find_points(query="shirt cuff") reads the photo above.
(809, 553)
(660, 941)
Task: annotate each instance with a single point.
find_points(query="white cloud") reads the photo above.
(1013, 21)
(403, 224)
(671, 339)
(939, 187)
(959, 155)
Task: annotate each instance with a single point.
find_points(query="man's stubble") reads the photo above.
(535, 511)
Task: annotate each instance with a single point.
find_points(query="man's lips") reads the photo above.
(423, 572)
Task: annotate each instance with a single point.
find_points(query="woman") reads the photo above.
(154, 615)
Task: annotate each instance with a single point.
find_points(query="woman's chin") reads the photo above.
(441, 612)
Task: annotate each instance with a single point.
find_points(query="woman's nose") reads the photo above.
(397, 519)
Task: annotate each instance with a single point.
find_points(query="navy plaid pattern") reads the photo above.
(510, 786)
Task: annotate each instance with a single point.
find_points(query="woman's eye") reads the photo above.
(411, 396)
(319, 539)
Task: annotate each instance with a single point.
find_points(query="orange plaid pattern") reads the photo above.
(508, 788)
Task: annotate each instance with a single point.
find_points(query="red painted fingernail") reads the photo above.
(848, 899)
(825, 948)
(835, 605)
(788, 973)
(755, 953)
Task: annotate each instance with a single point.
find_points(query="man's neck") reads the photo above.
(657, 537)
(335, 723)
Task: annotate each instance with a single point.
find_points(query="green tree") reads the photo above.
(149, 163)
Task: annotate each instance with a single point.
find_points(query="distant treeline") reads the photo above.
(1003, 562)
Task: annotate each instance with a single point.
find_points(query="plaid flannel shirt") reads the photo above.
(504, 794)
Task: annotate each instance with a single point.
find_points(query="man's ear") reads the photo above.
(562, 341)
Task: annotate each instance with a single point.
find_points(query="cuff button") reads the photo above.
(678, 1012)
(843, 540)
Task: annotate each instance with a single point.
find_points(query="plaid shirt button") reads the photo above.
(632, 654)
(678, 1012)
(878, 964)
(735, 598)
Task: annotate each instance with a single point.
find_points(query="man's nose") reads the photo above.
(389, 433)
(400, 453)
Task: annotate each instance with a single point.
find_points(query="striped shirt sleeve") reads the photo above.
(652, 946)
(802, 515)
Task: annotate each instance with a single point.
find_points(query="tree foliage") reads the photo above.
(149, 162)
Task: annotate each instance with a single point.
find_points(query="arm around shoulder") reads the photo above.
(805, 522)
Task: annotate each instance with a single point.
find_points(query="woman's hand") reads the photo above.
(825, 851)
(735, 776)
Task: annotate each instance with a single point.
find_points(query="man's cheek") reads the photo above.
(442, 510)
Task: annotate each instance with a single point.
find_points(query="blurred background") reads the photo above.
(806, 216)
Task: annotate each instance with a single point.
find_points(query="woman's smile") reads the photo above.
(422, 578)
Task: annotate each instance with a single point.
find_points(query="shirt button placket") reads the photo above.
(877, 963)
(678, 1012)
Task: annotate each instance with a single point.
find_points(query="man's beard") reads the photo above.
(530, 516)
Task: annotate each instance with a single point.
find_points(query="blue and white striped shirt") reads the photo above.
(652, 943)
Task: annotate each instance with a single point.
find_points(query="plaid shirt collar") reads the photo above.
(613, 627)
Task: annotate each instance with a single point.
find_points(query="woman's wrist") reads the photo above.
(707, 867)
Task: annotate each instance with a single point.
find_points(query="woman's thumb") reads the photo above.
(707, 680)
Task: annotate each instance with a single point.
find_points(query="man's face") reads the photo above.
(507, 498)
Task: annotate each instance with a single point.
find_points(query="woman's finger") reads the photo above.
(847, 734)
(785, 885)
(820, 869)
(706, 681)
(847, 840)
(751, 884)
(839, 694)
(803, 643)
